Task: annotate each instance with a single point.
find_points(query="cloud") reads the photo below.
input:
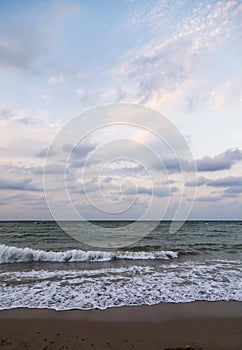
(107, 179)
(222, 161)
(233, 190)
(43, 153)
(78, 154)
(156, 191)
(23, 116)
(103, 191)
(229, 181)
(232, 187)
(53, 169)
(125, 171)
(81, 150)
(178, 61)
(23, 133)
(19, 185)
(173, 165)
(82, 188)
(200, 181)
(208, 199)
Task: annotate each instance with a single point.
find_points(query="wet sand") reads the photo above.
(196, 325)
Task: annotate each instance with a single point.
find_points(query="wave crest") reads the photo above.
(11, 254)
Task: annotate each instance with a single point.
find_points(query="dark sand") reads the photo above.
(197, 325)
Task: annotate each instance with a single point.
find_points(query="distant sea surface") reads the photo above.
(42, 267)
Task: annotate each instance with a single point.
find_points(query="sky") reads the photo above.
(179, 61)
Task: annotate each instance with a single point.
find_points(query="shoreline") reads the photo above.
(199, 324)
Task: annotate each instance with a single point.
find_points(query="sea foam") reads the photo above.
(175, 282)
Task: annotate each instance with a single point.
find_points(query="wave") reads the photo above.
(11, 254)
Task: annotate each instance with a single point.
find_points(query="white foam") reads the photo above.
(131, 285)
(10, 254)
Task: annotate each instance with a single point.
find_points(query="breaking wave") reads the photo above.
(10, 254)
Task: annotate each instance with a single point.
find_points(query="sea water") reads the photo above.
(43, 267)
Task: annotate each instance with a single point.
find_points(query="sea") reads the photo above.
(41, 266)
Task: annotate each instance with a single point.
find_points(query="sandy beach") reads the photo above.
(196, 325)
